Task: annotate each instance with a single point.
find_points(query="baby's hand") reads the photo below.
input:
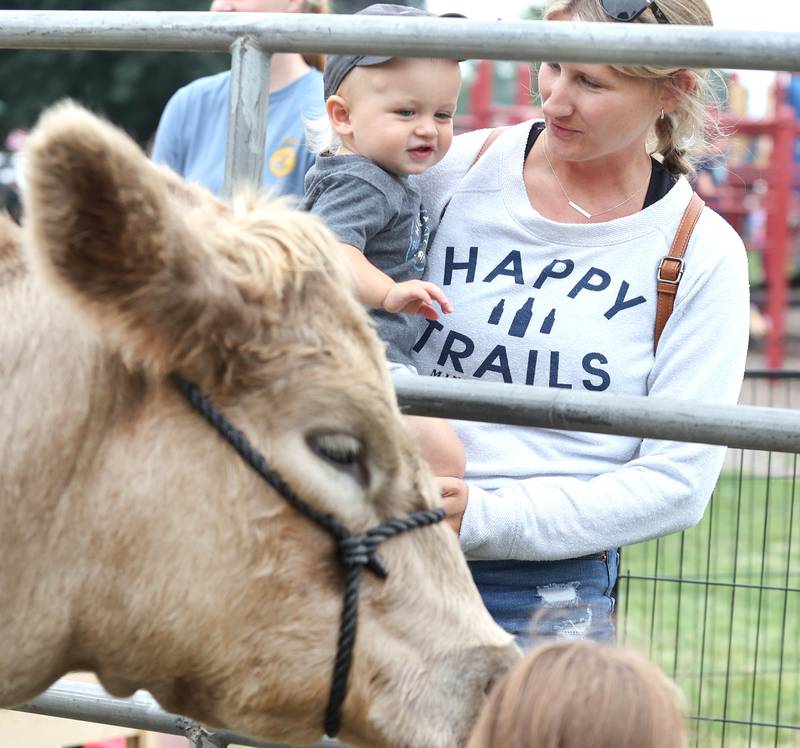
(416, 297)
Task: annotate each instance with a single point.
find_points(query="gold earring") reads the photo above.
(662, 114)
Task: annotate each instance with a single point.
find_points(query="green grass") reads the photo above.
(732, 640)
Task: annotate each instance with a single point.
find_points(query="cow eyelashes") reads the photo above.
(342, 451)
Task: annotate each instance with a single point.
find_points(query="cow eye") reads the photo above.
(342, 451)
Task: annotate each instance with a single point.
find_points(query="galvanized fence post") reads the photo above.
(247, 115)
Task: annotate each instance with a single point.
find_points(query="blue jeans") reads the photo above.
(568, 599)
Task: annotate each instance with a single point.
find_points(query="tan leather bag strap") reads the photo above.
(670, 269)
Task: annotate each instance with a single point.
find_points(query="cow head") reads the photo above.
(154, 556)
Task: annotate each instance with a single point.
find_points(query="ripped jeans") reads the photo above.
(569, 599)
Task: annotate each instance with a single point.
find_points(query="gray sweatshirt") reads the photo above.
(380, 214)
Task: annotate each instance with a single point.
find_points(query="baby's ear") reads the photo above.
(339, 115)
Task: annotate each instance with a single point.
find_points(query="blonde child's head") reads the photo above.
(573, 694)
(398, 114)
(395, 111)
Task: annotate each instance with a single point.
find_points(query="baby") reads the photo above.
(391, 118)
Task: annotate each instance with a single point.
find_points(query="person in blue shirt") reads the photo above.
(192, 134)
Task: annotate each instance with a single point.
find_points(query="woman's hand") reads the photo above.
(455, 494)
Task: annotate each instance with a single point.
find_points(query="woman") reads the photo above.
(193, 131)
(548, 249)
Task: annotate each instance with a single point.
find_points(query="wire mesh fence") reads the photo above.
(718, 606)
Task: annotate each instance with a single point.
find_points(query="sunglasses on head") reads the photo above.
(630, 10)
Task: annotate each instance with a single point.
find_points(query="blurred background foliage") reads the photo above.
(130, 88)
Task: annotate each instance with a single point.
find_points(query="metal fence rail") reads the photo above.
(743, 426)
(91, 703)
(404, 37)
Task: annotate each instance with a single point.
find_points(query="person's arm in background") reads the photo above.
(305, 160)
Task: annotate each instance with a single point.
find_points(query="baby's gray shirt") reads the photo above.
(381, 214)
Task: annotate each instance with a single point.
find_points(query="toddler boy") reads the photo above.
(393, 118)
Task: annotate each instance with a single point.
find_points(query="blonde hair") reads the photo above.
(681, 137)
(320, 136)
(316, 59)
(319, 133)
(576, 693)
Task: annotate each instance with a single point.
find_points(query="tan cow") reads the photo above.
(135, 542)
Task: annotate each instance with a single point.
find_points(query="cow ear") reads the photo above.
(129, 242)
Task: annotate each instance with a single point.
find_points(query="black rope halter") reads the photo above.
(355, 550)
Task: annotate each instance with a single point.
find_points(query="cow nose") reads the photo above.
(492, 682)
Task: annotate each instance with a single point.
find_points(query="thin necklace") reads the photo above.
(572, 204)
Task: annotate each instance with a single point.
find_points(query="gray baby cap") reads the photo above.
(337, 67)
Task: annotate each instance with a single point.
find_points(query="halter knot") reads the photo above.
(362, 550)
(356, 550)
